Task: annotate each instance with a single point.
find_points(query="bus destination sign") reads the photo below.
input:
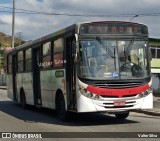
(114, 28)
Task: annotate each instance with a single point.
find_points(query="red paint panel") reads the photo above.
(117, 92)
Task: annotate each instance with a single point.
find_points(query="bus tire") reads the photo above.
(60, 107)
(23, 99)
(122, 115)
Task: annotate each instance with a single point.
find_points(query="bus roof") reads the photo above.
(44, 38)
(129, 22)
(62, 31)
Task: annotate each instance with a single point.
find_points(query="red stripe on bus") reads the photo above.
(117, 92)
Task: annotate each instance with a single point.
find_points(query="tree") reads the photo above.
(2, 55)
(19, 36)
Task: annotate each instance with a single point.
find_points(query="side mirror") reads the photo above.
(73, 48)
(74, 51)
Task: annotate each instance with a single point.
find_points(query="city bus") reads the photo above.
(101, 66)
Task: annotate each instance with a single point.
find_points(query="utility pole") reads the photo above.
(13, 23)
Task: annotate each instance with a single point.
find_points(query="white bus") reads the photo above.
(87, 67)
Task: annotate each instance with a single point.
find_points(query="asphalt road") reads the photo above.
(157, 104)
(14, 119)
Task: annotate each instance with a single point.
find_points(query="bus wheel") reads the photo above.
(122, 115)
(23, 100)
(60, 108)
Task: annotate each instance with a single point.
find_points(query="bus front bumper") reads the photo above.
(85, 104)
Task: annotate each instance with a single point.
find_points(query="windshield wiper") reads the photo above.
(129, 46)
(100, 40)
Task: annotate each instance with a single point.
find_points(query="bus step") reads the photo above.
(38, 106)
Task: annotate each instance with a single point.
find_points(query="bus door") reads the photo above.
(14, 71)
(36, 76)
(70, 74)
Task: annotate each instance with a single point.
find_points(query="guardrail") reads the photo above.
(3, 80)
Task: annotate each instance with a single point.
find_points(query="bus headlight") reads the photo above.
(88, 94)
(145, 93)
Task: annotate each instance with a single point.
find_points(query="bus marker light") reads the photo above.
(80, 87)
(96, 96)
(140, 95)
(146, 93)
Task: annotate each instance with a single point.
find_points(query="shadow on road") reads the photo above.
(32, 114)
(156, 93)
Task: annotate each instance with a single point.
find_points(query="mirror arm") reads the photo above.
(76, 46)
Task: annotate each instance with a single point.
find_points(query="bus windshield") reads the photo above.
(128, 60)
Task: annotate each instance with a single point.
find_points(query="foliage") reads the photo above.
(6, 41)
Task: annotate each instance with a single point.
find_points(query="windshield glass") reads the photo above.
(128, 59)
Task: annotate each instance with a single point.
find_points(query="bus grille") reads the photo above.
(127, 106)
(118, 85)
(124, 96)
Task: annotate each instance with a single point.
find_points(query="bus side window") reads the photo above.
(58, 53)
(28, 64)
(9, 64)
(47, 55)
(20, 61)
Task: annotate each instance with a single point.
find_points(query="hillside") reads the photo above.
(6, 40)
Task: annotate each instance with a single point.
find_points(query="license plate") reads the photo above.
(119, 103)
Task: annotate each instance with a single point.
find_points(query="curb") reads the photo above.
(147, 112)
